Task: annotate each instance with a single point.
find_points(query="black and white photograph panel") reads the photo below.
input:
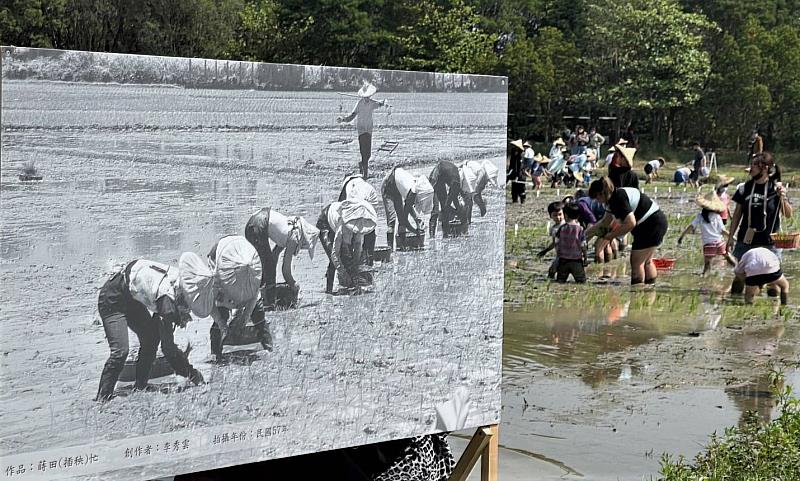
(206, 263)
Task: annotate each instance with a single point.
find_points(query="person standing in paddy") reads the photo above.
(356, 188)
(150, 299)
(363, 113)
(289, 235)
(636, 213)
(709, 223)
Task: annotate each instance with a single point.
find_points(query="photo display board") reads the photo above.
(116, 166)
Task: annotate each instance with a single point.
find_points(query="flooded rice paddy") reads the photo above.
(600, 380)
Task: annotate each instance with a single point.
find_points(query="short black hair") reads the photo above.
(554, 207)
(572, 211)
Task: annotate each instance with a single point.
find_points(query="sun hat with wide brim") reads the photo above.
(359, 216)
(622, 141)
(196, 281)
(526, 144)
(612, 149)
(559, 141)
(541, 159)
(518, 144)
(710, 201)
(725, 180)
(238, 269)
(627, 153)
(367, 90)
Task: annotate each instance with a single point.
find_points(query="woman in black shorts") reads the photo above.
(635, 213)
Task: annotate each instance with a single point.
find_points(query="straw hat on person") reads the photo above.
(559, 141)
(622, 141)
(196, 281)
(526, 144)
(710, 201)
(541, 159)
(518, 144)
(724, 180)
(367, 90)
(612, 149)
(627, 153)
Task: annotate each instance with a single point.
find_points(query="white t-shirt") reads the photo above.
(358, 188)
(655, 164)
(710, 232)
(757, 262)
(405, 182)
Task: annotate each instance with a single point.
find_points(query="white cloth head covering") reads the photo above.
(309, 235)
(491, 171)
(359, 216)
(238, 269)
(196, 281)
(424, 191)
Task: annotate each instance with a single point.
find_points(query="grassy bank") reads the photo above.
(754, 450)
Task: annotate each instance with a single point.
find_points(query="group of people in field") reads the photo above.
(236, 281)
(614, 206)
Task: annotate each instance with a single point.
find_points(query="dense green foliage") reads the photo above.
(678, 69)
(752, 451)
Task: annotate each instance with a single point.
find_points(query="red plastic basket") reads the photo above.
(664, 264)
(786, 240)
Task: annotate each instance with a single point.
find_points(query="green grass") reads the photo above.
(752, 451)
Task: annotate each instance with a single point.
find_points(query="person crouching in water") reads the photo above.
(475, 176)
(709, 223)
(237, 295)
(289, 235)
(449, 199)
(148, 298)
(406, 196)
(356, 188)
(651, 169)
(342, 227)
(759, 267)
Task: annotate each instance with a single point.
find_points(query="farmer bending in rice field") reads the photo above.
(236, 266)
(406, 196)
(289, 235)
(450, 199)
(475, 175)
(342, 227)
(356, 188)
(150, 299)
(362, 112)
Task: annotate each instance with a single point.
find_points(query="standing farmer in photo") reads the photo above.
(363, 115)
(150, 299)
(289, 235)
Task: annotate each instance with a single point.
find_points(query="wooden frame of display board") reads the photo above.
(485, 444)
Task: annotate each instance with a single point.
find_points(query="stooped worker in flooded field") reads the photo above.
(475, 176)
(148, 298)
(406, 196)
(450, 200)
(237, 298)
(637, 214)
(356, 188)
(760, 267)
(362, 112)
(342, 227)
(289, 235)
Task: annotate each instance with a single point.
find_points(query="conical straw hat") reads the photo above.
(710, 201)
(518, 144)
(368, 90)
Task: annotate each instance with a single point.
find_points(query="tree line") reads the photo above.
(678, 70)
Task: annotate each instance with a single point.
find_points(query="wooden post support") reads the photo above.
(485, 444)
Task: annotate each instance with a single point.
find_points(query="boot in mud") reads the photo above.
(390, 240)
(216, 344)
(784, 298)
(737, 286)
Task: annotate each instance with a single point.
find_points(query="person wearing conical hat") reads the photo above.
(289, 235)
(237, 292)
(363, 113)
(620, 169)
(475, 176)
(709, 223)
(516, 173)
(343, 226)
(356, 188)
(151, 299)
(722, 191)
(452, 196)
(406, 197)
